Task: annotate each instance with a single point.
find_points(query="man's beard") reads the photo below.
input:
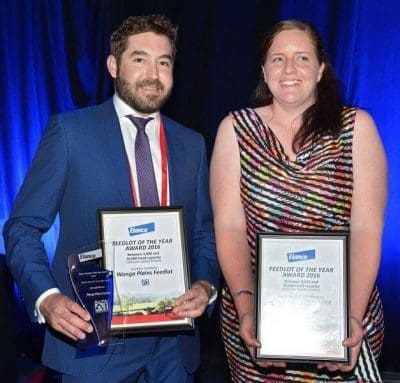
(146, 104)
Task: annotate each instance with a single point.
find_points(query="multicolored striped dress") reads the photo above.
(312, 193)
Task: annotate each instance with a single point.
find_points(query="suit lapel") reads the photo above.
(110, 137)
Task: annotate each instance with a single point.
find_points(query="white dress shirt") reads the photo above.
(128, 131)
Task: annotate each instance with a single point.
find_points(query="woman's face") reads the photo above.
(291, 69)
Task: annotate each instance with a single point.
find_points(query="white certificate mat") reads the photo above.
(146, 250)
(302, 297)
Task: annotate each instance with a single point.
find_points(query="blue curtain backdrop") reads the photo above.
(53, 59)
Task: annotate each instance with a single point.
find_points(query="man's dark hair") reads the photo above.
(134, 25)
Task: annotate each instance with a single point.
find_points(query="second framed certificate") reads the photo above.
(146, 251)
(302, 297)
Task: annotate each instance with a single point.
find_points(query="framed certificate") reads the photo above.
(302, 297)
(145, 248)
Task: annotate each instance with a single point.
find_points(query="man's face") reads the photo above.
(143, 77)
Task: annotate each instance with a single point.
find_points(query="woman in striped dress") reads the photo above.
(299, 162)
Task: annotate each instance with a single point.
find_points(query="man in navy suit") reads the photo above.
(86, 161)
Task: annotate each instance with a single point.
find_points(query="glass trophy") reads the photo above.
(93, 286)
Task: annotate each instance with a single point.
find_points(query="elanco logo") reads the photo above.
(141, 229)
(301, 255)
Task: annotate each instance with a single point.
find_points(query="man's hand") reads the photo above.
(194, 302)
(66, 316)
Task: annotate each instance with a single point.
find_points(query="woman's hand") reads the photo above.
(247, 334)
(354, 341)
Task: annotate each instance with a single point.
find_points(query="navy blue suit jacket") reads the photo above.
(81, 166)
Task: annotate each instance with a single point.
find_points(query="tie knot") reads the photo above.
(140, 122)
